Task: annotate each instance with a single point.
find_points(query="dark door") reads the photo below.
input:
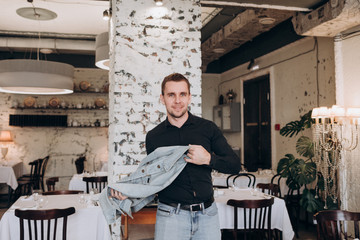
(257, 135)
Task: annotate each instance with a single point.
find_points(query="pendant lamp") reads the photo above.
(27, 76)
(102, 51)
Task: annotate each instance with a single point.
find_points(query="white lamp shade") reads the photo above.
(36, 77)
(102, 51)
(5, 136)
(315, 113)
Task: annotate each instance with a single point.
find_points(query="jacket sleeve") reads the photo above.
(223, 158)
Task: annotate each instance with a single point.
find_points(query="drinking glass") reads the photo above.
(36, 193)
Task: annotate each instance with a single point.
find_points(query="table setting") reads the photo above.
(88, 221)
(279, 220)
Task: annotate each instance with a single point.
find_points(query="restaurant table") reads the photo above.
(279, 218)
(219, 179)
(88, 221)
(9, 173)
(76, 182)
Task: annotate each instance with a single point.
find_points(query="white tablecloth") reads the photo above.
(279, 218)
(76, 182)
(88, 222)
(10, 171)
(219, 179)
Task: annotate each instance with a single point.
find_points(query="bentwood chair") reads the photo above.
(256, 218)
(269, 188)
(250, 176)
(42, 224)
(62, 192)
(50, 183)
(42, 172)
(275, 180)
(335, 225)
(98, 183)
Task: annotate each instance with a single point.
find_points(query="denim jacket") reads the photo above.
(155, 172)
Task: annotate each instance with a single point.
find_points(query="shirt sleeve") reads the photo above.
(223, 158)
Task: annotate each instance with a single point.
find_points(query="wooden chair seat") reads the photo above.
(39, 220)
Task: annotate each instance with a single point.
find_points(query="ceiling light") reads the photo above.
(29, 76)
(46, 51)
(35, 13)
(158, 2)
(252, 66)
(102, 51)
(219, 50)
(266, 20)
(106, 15)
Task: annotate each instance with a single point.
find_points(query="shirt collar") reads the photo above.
(189, 121)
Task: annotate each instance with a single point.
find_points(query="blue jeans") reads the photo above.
(177, 224)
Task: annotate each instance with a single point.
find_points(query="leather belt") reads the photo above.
(192, 207)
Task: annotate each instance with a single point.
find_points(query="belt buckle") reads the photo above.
(196, 207)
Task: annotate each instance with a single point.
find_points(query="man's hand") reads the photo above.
(198, 155)
(117, 194)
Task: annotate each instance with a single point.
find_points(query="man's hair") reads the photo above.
(175, 77)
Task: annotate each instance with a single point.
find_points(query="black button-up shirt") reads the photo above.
(194, 184)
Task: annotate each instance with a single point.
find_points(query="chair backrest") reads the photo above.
(275, 180)
(256, 216)
(36, 220)
(250, 176)
(269, 188)
(45, 161)
(98, 183)
(335, 224)
(228, 180)
(62, 192)
(50, 183)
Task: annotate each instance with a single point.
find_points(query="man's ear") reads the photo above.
(162, 99)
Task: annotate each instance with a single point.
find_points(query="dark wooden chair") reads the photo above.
(50, 183)
(37, 218)
(292, 201)
(269, 188)
(250, 176)
(42, 172)
(98, 183)
(227, 182)
(275, 180)
(62, 192)
(331, 224)
(256, 218)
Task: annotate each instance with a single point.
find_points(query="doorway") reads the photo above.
(257, 123)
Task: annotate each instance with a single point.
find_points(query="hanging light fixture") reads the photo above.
(28, 76)
(102, 51)
(106, 15)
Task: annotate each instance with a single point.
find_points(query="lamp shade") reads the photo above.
(27, 76)
(102, 51)
(5, 136)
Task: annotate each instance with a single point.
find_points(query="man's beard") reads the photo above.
(178, 116)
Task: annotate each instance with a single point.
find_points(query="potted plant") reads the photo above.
(303, 172)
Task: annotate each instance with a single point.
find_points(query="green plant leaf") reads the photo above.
(285, 165)
(309, 202)
(306, 172)
(294, 127)
(305, 147)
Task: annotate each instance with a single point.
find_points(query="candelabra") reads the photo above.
(335, 131)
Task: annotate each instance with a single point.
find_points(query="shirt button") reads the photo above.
(143, 171)
(158, 166)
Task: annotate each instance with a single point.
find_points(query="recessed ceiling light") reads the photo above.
(46, 50)
(34, 13)
(266, 20)
(219, 50)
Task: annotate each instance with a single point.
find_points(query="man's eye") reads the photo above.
(183, 94)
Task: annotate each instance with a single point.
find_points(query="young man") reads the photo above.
(186, 207)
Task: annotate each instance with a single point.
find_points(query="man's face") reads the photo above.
(176, 98)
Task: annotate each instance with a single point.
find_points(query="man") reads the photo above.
(186, 207)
